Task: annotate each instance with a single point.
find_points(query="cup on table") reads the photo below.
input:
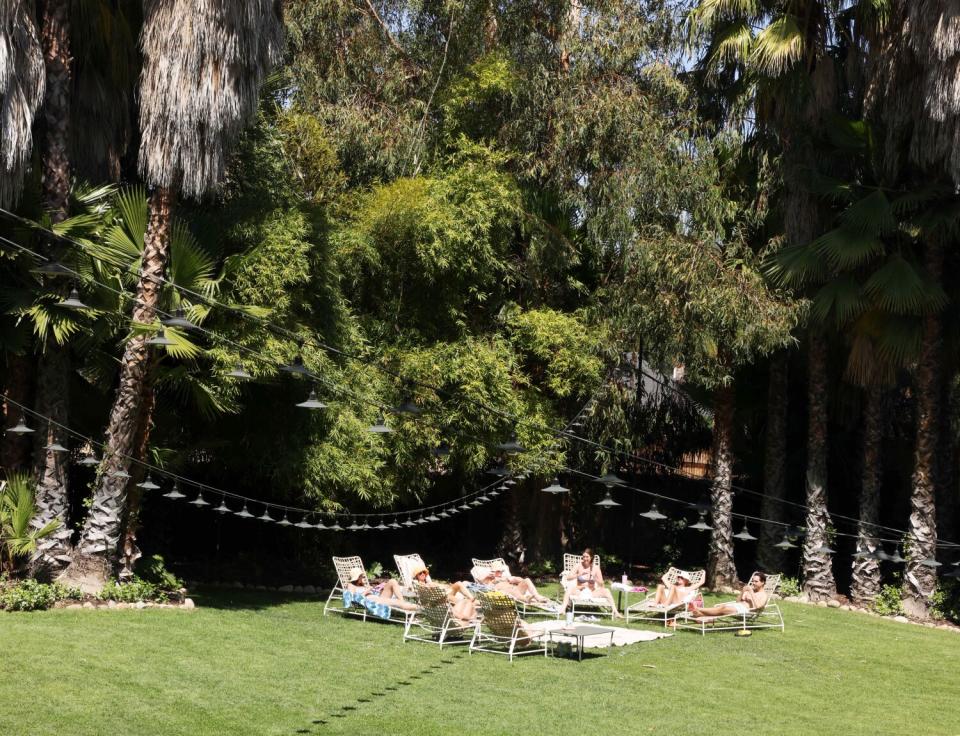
(569, 618)
(623, 579)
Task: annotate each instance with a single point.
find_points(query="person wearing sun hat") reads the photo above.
(459, 596)
(522, 589)
(378, 599)
(670, 594)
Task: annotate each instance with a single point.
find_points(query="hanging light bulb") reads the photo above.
(120, 473)
(825, 549)
(702, 525)
(555, 487)
(380, 426)
(147, 484)
(511, 446)
(303, 524)
(897, 557)
(654, 513)
(882, 555)
(433, 517)
(179, 319)
(453, 510)
(73, 301)
(52, 268)
(610, 480)
(90, 459)
(511, 482)
(284, 521)
(174, 492)
(499, 470)
(443, 515)
(785, 543)
(465, 506)
(55, 446)
(607, 501)
(421, 520)
(336, 527)
(223, 508)
(931, 563)
(354, 527)
(243, 513)
(502, 487)
(266, 515)
(409, 408)
(476, 502)
(408, 523)
(395, 524)
(366, 527)
(381, 526)
(483, 498)
(320, 525)
(296, 367)
(239, 372)
(745, 534)
(160, 339)
(312, 402)
(199, 500)
(494, 493)
(20, 427)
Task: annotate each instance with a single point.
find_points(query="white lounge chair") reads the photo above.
(649, 610)
(343, 566)
(527, 608)
(767, 616)
(584, 601)
(499, 630)
(434, 622)
(406, 564)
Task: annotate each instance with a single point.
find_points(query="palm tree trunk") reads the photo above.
(14, 449)
(769, 558)
(721, 570)
(129, 550)
(101, 532)
(818, 582)
(53, 371)
(511, 545)
(920, 580)
(865, 576)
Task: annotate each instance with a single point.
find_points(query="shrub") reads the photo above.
(29, 595)
(789, 587)
(131, 592)
(888, 602)
(946, 601)
(154, 570)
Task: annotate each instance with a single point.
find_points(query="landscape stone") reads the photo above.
(188, 603)
(833, 603)
(286, 588)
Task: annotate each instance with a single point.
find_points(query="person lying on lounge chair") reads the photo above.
(669, 595)
(387, 593)
(585, 580)
(752, 596)
(462, 603)
(495, 578)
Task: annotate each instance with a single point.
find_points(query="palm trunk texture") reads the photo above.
(53, 371)
(101, 533)
(721, 571)
(818, 582)
(865, 577)
(769, 558)
(920, 580)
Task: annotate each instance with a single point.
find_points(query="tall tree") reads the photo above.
(54, 369)
(198, 90)
(769, 557)
(865, 578)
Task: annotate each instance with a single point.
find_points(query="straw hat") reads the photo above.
(417, 569)
(481, 573)
(684, 575)
(355, 573)
(498, 565)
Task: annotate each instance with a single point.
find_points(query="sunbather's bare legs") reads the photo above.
(392, 595)
(669, 595)
(575, 591)
(464, 609)
(528, 590)
(723, 609)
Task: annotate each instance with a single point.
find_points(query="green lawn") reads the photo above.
(246, 663)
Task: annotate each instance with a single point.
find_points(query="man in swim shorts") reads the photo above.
(752, 596)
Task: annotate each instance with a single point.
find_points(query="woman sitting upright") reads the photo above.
(586, 581)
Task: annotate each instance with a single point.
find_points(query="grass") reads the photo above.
(248, 663)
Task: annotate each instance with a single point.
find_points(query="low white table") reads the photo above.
(579, 632)
(623, 596)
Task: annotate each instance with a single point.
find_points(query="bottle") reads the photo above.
(624, 580)
(570, 618)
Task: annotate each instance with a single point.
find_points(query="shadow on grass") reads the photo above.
(242, 599)
(387, 690)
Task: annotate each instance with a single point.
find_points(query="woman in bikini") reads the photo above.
(587, 580)
(387, 593)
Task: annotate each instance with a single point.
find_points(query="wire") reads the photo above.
(563, 434)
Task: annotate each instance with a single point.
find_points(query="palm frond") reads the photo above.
(778, 47)
(870, 214)
(838, 301)
(897, 287)
(190, 265)
(846, 249)
(796, 266)
(730, 45)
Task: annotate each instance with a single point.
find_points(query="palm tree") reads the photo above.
(198, 89)
(865, 576)
(721, 570)
(911, 98)
(18, 535)
(769, 557)
(22, 86)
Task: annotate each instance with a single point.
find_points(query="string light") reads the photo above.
(653, 514)
(147, 484)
